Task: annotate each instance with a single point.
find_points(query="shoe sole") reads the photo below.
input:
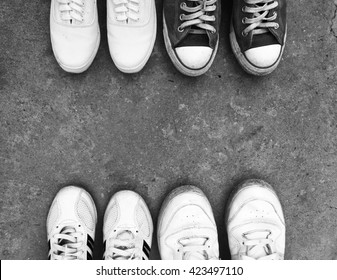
(182, 68)
(245, 64)
(83, 68)
(241, 187)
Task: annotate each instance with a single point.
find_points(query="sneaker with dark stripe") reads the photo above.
(71, 225)
(127, 228)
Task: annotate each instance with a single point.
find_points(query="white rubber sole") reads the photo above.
(245, 64)
(181, 67)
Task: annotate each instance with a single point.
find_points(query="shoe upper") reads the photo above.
(132, 27)
(71, 225)
(259, 23)
(192, 23)
(74, 31)
(127, 228)
(192, 28)
(255, 223)
(186, 227)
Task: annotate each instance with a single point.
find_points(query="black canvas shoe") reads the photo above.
(258, 34)
(191, 33)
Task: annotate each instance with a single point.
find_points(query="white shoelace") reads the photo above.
(124, 247)
(198, 14)
(71, 10)
(126, 10)
(258, 246)
(194, 248)
(68, 244)
(260, 22)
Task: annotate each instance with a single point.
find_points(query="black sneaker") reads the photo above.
(258, 34)
(191, 34)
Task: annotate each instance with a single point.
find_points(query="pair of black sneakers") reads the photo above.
(257, 34)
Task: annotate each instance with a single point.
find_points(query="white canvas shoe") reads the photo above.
(186, 226)
(71, 225)
(75, 34)
(132, 27)
(255, 222)
(127, 228)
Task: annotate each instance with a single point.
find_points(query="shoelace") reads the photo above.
(194, 248)
(127, 9)
(71, 10)
(68, 244)
(260, 22)
(198, 15)
(128, 249)
(258, 247)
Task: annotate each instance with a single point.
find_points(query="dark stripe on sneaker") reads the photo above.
(49, 247)
(90, 243)
(146, 249)
(89, 256)
(104, 248)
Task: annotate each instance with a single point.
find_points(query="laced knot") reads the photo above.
(71, 10)
(126, 10)
(258, 245)
(259, 20)
(68, 244)
(125, 246)
(198, 13)
(194, 248)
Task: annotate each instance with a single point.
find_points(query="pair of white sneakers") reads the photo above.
(186, 227)
(75, 33)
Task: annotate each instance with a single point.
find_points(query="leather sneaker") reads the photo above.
(186, 226)
(71, 225)
(258, 34)
(74, 32)
(127, 228)
(191, 33)
(132, 27)
(255, 223)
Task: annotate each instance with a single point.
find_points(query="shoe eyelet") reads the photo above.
(275, 14)
(180, 29)
(181, 17)
(244, 34)
(277, 26)
(243, 9)
(244, 20)
(182, 5)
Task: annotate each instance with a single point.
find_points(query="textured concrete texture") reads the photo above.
(158, 129)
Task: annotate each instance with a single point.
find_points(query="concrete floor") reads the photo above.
(158, 129)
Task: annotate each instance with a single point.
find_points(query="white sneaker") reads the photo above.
(71, 225)
(132, 27)
(127, 228)
(75, 34)
(255, 222)
(186, 226)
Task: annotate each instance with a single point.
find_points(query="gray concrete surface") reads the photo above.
(155, 130)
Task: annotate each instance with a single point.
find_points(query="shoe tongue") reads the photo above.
(263, 39)
(194, 255)
(258, 251)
